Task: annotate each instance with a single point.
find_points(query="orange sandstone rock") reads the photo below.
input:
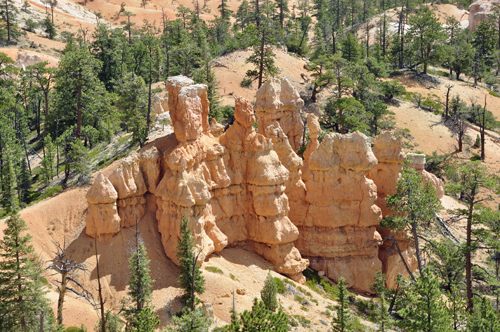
(388, 149)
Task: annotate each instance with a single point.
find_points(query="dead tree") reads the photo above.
(66, 267)
(101, 300)
(447, 106)
(459, 126)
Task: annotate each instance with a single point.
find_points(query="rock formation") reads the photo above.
(417, 162)
(102, 217)
(277, 100)
(388, 149)
(247, 188)
(24, 60)
(479, 12)
(338, 234)
(231, 189)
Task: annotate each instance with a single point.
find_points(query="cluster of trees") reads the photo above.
(450, 290)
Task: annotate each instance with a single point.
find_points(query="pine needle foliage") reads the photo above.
(23, 306)
(268, 293)
(190, 277)
(343, 322)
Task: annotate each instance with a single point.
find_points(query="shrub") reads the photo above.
(280, 287)
(214, 269)
(494, 94)
(246, 82)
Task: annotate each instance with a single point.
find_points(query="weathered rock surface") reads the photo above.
(231, 188)
(277, 100)
(102, 218)
(247, 188)
(417, 162)
(24, 60)
(338, 234)
(388, 149)
(188, 107)
(479, 11)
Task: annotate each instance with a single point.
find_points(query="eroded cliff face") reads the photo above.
(479, 11)
(338, 234)
(231, 188)
(388, 149)
(246, 188)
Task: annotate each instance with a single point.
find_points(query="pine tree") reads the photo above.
(8, 14)
(343, 322)
(259, 319)
(47, 164)
(263, 56)
(21, 282)
(133, 104)
(425, 309)
(268, 293)
(191, 321)
(49, 28)
(190, 277)
(139, 314)
(383, 318)
(351, 50)
(484, 317)
(414, 206)
(471, 180)
(23, 182)
(8, 200)
(80, 97)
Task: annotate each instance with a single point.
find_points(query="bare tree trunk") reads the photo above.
(60, 301)
(261, 64)
(79, 105)
(468, 255)
(101, 301)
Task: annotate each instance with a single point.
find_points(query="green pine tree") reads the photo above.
(140, 314)
(425, 309)
(8, 199)
(414, 206)
(484, 317)
(133, 104)
(268, 293)
(343, 322)
(190, 277)
(383, 317)
(49, 27)
(21, 282)
(259, 319)
(191, 321)
(47, 165)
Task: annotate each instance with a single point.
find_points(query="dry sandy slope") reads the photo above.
(63, 217)
(231, 77)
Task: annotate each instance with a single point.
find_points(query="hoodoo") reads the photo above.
(251, 189)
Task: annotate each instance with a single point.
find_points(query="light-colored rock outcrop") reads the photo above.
(278, 106)
(339, 233)
(417, 162)
(388, 149)
(102, 218)
(230, 188)
(277, 100)
(24, 60)
(188, 107)
(479, 11)
(216, 128)
(246, 188)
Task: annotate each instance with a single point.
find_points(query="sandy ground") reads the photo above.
(231, 77)
(62, 217)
